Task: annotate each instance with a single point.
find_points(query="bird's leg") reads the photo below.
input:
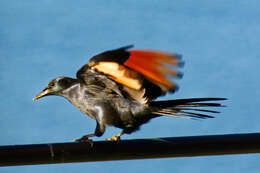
(100, 128)
(115, 137)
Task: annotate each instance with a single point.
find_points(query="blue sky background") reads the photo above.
(219, 41)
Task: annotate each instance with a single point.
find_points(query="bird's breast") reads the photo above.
(106, 106)
(78, 96)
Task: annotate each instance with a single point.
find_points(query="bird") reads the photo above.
(118, 88)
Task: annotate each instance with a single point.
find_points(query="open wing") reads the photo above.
(142, 73)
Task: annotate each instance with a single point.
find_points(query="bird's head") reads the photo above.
(56, 87)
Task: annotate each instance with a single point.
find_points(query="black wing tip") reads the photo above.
(177, 56)
(181, 64)
(126, 47)
(174, 88)
(180, 75)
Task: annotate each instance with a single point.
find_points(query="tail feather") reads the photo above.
(202, 110)
(184, 108)
(202, 105)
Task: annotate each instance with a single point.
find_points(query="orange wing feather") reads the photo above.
(151, 64)
(120, 74)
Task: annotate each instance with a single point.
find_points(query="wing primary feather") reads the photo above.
(152, 65)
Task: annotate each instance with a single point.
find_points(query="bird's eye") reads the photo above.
(51, 84)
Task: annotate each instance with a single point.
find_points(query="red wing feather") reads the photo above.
(151, 64)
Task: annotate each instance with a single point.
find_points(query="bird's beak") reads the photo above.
(43, 93)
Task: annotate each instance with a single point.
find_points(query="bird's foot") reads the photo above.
(84, 139)
(113, 138)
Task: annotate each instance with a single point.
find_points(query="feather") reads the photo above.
(120, 74)
(145, 71)
(151, 64)
(183, 108)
